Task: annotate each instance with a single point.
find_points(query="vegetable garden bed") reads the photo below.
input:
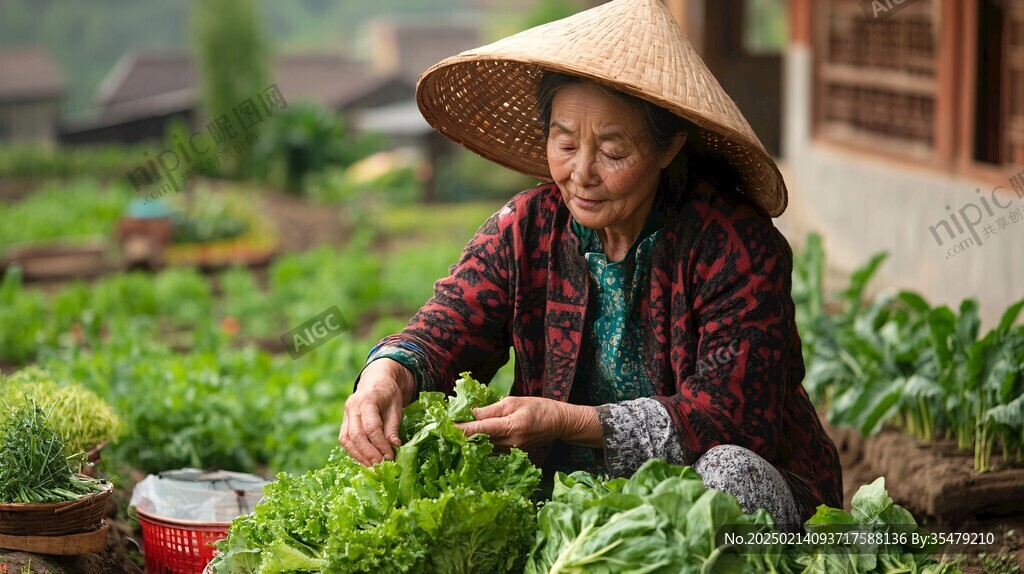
(59, 261)
(934, 480)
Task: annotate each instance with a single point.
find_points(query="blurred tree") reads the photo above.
(232, 55)
(309, 138)
(551, 10)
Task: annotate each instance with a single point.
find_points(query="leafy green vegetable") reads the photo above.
(445, 504)
(69, 212)
(80, 417)
(216, 406)
(899, 360)
(33, 465)
(872, 511)
(664, 520)
(467, 397)
(660, 520)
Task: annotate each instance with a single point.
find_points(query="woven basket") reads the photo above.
(69, 545)
(55, 519)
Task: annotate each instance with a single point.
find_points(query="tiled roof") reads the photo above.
(146, 83)
(29, 73)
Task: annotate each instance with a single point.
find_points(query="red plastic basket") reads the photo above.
(178, 546)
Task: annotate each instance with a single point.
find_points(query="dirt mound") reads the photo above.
(936, 480)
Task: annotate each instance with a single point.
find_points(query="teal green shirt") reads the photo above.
(611, 367)
(613, 370)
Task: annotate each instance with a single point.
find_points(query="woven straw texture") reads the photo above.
(484, 99)
(55, 519)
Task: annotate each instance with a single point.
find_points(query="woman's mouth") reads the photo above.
(586, 203)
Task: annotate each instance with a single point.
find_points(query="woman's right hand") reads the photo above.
(369, 429)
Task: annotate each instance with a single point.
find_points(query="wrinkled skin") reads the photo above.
(369, 429)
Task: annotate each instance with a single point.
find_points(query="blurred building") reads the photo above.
(408, 48)
(31, 90)
(147, 89)
(405, 49)
(900, 128)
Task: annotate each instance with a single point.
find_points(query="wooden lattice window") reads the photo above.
(1013, 82)
(876, 80)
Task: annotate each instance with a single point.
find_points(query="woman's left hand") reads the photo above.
(530, 422)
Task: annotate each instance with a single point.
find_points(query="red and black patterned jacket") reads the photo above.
(719, 284)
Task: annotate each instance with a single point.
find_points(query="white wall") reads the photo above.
(862, 205)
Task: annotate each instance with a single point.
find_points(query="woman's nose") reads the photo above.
(583, 173)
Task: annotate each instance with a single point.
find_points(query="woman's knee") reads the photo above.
(752, 480)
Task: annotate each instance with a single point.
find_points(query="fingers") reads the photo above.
(343, 433)
(495, 421)
(498, 428)
(357, 443)
(373, 429)
(373, 414)
(392, 421)
(502, 408)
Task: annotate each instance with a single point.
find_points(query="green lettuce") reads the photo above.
(446, 503)
(661, 520)
(872, 509)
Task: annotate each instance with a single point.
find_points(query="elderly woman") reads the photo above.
(644, 290)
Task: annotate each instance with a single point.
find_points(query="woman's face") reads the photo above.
(602, 159)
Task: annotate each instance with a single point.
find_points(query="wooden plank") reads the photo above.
(869, 141)
(966, 100)
(800, 22)
(947, 81)
(888, 80)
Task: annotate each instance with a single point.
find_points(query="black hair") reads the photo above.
(691, 165)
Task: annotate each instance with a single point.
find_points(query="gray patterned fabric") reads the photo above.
(635, 432)
(638, 430)
(752, 480)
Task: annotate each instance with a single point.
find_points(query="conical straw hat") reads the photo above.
(485, 99)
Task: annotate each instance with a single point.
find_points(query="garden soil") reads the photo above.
(302, 225)
(937, 480)
(938, 485)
